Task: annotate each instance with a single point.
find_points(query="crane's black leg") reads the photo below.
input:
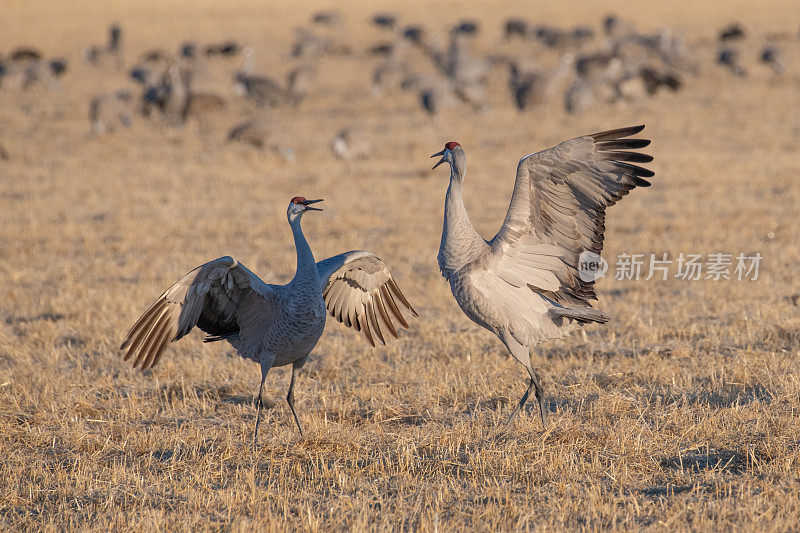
(290, 395)
(521, 403)
(259, 402)
(535, 383)
(521, 353)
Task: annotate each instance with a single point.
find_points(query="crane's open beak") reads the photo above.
(309, 202)
(442, 160)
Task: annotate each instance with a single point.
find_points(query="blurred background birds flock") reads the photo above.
(140, 139)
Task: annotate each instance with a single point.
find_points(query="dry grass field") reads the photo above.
(682, 413)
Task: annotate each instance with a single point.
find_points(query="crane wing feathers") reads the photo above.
(222, 298)
(559, 200)
(360, 292)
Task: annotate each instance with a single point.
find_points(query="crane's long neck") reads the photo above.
(461, 244)
(306, 266)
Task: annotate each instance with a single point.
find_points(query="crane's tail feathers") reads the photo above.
(583, 315)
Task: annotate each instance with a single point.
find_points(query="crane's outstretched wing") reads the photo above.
(222, 298)
(360, 292)
(558, 211)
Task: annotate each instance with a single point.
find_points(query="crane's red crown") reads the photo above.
(451, 145)
(298, 200)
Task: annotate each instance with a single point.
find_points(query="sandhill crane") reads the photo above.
(273, 325)
(109, 111)
(177, 95)
(515, 27)
(599, 82)
(654, 79)
(94, 54)
(172, 94)
(383, 49)
(596, 64)
(262, 133)
(556, 38)
(771, 56)
(461, 74)
(331, 18)
(156, 55)
(729, 58)
(224, 49)
(461, 65)
(330, 32)
(300, 80)
(25, 53)
(351, 143)
(386, 21)
(435, 93)
(616, 28)
(145, 75)
(732, 32)
(310, 44)
(389, 73)
(535, 87)
(579, 96)
(265, 91)
(27, 69)
(644, 82)
(429, 45)
(466, 27)
(524, 284)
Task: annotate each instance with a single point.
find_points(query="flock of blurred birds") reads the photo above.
(582, 66)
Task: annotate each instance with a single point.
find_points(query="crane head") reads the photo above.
(300, 205)
(447, 153)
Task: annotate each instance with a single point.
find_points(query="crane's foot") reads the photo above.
(290, 401)
(535, 385)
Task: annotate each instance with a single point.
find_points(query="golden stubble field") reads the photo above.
(682, 413)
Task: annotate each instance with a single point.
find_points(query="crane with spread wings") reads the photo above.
(525, 285)
(274, 325)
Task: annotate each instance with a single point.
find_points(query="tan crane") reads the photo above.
(524, 285)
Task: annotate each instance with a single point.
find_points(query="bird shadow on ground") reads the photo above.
(239, 399)
(175, 392)
(49, 317)
(699, 460)
(560, 404)
(728, 396)
(663, 491)
(189, 452)
(406, 420)
(384, 417)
